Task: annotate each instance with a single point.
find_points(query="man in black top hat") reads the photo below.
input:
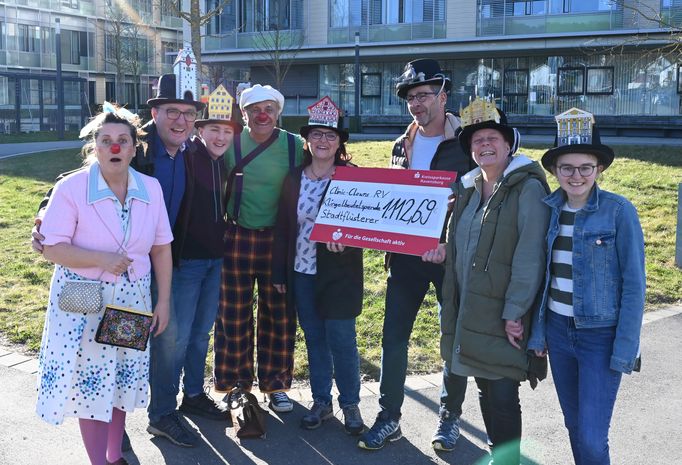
(430, 142)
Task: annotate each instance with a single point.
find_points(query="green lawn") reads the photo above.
(646, 175)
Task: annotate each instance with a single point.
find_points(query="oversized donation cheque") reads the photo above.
(385, 209)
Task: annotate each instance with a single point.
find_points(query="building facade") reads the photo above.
(537, 58)
(109, 50)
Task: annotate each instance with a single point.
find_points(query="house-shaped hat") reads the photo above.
(483, 114)
(219, 109)
(181, 86)
(324, 114)
(577, 133)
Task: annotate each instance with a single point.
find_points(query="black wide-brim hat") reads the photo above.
(604, 153)
(166, 94)
(305, 130)
(422, 72)
(467, 132)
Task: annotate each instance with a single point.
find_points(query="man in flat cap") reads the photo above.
(257, 163)
(430, 142)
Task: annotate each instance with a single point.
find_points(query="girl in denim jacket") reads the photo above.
(590, 317)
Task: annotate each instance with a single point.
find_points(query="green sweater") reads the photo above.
(263, 178)
(506, 272)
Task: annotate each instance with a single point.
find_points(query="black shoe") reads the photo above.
(171, 428)
(125, 445)
(204, 406)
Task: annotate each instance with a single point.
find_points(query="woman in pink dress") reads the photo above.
(105, 222)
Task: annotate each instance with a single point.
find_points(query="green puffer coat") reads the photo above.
(506, 273)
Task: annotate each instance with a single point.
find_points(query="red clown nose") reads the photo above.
(262, 117)
(115, 148)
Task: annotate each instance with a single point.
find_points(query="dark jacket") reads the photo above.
(339, 279)
(505, 278)
(144, 163)
(449, 156)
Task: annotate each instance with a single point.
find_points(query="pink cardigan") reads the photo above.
(80, 212)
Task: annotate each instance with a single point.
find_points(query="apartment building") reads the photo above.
(109, 50)
(537, 58)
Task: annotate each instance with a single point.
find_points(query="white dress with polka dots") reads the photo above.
(79, 377)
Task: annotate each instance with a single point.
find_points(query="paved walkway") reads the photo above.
(25, 148)
(647, 424)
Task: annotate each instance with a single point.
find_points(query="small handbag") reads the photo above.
(81, 297)
(125, 327)
(248, 418)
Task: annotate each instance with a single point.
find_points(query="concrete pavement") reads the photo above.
(647, 423)
(25, 148)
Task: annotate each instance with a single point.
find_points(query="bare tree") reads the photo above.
(661, 34)
(195, 19)
(276, 43)
(125, 35)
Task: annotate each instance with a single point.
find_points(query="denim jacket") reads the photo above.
(608, 272)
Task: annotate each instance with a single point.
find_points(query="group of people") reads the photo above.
(189, 225)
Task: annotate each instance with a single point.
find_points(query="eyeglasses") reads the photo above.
(174, 113)
(421, 96)
(331, 136)
(584, 170)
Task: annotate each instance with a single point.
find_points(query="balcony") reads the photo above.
(249, 40)
(388, 32)
(551, 24)
(23, 59)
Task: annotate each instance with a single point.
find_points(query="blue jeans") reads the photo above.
(408, 282)
(585, 384)
(162, 384)
(332, 348)
(501, 410)
(196, 290)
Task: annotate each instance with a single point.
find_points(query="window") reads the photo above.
(270, 15)
(571, 81)
(110, 91)
(2, 35)
(27, 37)
(679, 79)
(523, 8)
(516, 82)
(371, 85)
(345, 13)
(581, 6)
(600, 80)
(170, 51)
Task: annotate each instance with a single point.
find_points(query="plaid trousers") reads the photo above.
(247, 261)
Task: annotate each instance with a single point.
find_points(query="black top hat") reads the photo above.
(166, 93)
(481, 114)
(575, 136)
(424, 71)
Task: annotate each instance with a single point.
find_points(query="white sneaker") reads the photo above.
(280, 402)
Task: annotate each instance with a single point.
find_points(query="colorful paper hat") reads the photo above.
(483, 114)
(577, 133)
(219, 109)
(424, 71)
(181, 86)
(324, 114)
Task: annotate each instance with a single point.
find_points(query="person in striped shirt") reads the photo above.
(592, 306)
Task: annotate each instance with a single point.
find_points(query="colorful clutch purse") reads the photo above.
(124, 327)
